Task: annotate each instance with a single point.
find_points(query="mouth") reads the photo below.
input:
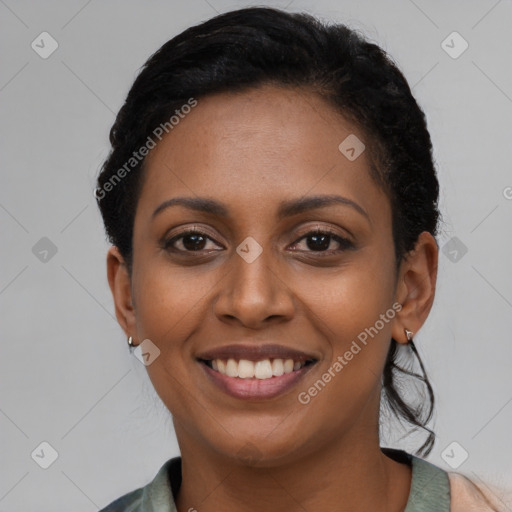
(256, 372)
(262, 369)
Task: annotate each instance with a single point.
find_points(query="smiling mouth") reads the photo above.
(256, 372)
(263, 369)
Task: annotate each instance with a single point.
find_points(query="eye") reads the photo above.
(320, 240)
(191, 240)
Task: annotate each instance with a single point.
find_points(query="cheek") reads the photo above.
(351, 300)
(169, 309)
(353, 311)
(169, 301)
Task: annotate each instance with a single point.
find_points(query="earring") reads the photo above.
(131, 346)
(409, 335)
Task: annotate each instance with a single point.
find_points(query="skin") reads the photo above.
(251, 151)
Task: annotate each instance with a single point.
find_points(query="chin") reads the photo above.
(261, 451)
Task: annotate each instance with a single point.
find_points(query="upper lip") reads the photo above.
(255, 353)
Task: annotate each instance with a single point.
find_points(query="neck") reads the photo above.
(354, 475)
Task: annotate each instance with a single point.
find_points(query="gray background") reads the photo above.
(67, 377)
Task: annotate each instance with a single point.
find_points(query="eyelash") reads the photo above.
(343, 242)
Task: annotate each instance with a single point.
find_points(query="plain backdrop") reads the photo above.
(67, 378)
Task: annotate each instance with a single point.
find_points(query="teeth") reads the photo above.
(277, 367)
(245, 369)
(232, 368)
(288, 366)
(265, 369)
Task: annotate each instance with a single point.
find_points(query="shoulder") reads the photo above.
(453, 492)
(466, 496)
(158, 494)
(129, 502)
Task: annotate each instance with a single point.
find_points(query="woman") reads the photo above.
(271, 202)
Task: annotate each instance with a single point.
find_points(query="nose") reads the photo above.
(254, 294)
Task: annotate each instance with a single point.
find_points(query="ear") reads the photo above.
(416, 286)
(120, 285)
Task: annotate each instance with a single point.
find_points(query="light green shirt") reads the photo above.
(430, 488)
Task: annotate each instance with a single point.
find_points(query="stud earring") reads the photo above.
(409, 335)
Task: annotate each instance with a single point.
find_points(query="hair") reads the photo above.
(252, 47)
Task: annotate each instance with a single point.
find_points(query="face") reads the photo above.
(290, 269)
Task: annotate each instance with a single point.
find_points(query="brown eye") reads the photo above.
(321, 241)
(188, 241)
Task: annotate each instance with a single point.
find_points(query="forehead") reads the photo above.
(258, 147)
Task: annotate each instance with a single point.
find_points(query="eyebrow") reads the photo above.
(286, 209)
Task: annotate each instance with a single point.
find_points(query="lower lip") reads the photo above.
(254, 389)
